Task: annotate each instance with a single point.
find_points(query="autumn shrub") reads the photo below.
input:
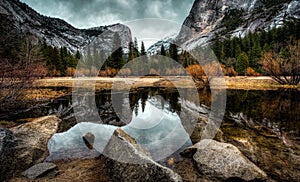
(251, 72)
(195, 70)
(70, 71)
(229, 71)
(109, 72)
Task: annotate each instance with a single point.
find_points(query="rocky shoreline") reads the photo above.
(235, 154)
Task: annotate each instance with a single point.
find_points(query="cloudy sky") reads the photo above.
(168, 15)
(91, 13)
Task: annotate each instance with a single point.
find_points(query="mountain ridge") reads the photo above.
(233, 18)
(57, 32)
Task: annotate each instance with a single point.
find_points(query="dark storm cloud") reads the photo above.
(90, 13)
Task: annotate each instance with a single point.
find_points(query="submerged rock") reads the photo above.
(39, 170)
(222, 161)
(281, 161)
(125, 160)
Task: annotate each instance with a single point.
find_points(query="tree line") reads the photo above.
(102, 63)
(245, 56)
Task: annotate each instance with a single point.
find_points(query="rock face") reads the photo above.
(39, 170)
(234, 18)
(7, 154)
(32, 139)
(21, 19)
(221, 161)
(129, 162)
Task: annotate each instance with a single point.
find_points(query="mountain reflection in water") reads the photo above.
(155, 126)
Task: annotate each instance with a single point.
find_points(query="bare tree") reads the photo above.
(284, 68)
(18, 73)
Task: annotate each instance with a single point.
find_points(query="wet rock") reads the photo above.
(67, 123)
(38, 170)
(116, 122)
(7, 154)
(197, 134)
(278, 159)
(125, 160)
(222, 161)
(32, 139)
(89, 140)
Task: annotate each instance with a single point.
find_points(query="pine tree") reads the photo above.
(238, 50)
(162, 50)
(136, 48)
(63, 56)
(56, 61)
(77, 55)
(242, 63)
(136, 43)
(143, 50)
(246, 44)
(217, 48)
(173, 52)
(117, 56)
(131, 55)
(255, 55)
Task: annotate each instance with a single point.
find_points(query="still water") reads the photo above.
(278, 110)
(275, 109)
(263, 124)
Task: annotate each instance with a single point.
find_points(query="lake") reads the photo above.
(263, 124)
(277, 110)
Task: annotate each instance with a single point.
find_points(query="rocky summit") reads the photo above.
(20, 19)
(234, 18)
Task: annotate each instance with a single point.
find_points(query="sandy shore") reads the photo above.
(240, 82)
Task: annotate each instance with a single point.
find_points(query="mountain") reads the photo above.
(155, 48)
(19, 18)
(233, 18)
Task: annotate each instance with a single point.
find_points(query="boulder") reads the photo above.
(222, 161)
(125, 160)
(38, 170)
(7, 154)
(278, 156)
(32, 139)
(89, 140)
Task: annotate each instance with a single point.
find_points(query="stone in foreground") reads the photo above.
(7, 151)
(32, 139)
(222, 161)
(39, 170)
(125, 160)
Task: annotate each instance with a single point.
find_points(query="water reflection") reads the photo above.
(169, 95)
(157, 129)
(155, 126)
(275, 109)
